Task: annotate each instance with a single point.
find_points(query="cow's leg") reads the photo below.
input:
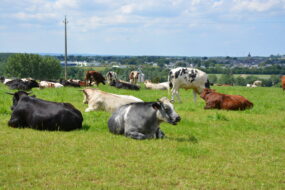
(91, 108)
(178, 96)
(174, 93)
(159, 134)
(135, 135)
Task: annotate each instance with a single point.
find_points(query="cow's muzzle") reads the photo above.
(175, 121)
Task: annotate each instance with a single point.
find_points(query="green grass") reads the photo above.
(208, 149)
(246, 75)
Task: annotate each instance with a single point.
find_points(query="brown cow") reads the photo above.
(283, 82)
(134, 75)
(94, 76)
(215, 100)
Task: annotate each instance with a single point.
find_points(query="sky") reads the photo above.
(144, 27)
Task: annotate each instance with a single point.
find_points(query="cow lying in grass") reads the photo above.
(124, 85)
(156, 86)
(29, 111)
(215, 100)
(99, 100)
(141, 120)
(22, 84)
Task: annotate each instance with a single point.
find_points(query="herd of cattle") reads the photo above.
(131, 116)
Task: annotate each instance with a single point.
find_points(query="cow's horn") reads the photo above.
(10, 93)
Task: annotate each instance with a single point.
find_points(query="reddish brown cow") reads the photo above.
(94, 76)
(215, 100)
(283, 82)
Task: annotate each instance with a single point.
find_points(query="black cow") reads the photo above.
(141, 120)
(31, 112)
(19, 84)
(124, 85)
(69, 83)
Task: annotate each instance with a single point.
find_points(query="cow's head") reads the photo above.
(136, 75)
(147, 81)
(206, 92)
(17, 96)
(165, 111)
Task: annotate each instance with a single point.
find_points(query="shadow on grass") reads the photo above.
(85, 127)
(191, 139)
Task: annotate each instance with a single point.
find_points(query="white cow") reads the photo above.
(7, 80)
(46, 84)
(187, 78)
(156, 86)
(257, 83)
(134, 75)
(100, 100)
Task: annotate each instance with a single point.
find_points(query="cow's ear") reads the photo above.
(156, 105)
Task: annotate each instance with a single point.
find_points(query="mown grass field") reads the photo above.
(208, 149)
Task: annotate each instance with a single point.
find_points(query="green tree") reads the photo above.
(31, 65)
(226, 79)
(240, 81)
(213, 78)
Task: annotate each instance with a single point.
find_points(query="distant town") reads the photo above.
(248, 61)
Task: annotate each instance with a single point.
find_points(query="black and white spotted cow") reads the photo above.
(187, 78)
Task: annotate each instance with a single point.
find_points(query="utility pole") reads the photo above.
(65, 57)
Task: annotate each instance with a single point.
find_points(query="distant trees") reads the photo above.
(31, 65)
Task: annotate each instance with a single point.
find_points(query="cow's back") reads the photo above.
(187, 78)
(229, 102)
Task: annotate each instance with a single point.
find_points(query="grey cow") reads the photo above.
(141, 120)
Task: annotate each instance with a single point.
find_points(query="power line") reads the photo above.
(65, 56)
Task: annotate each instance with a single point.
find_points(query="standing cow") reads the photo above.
(187, 78)
(29, 111)
(94, 76)
(134, 75)
(141, 120)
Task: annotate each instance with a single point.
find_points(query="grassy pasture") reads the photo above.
(246, 75)
(208, 149)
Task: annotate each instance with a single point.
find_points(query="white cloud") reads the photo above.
(257, 5)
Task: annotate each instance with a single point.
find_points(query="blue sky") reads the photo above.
(144, 27)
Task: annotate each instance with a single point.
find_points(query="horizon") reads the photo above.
(182, 28)
(102, 55)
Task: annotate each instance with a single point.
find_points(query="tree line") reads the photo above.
(49, 68)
